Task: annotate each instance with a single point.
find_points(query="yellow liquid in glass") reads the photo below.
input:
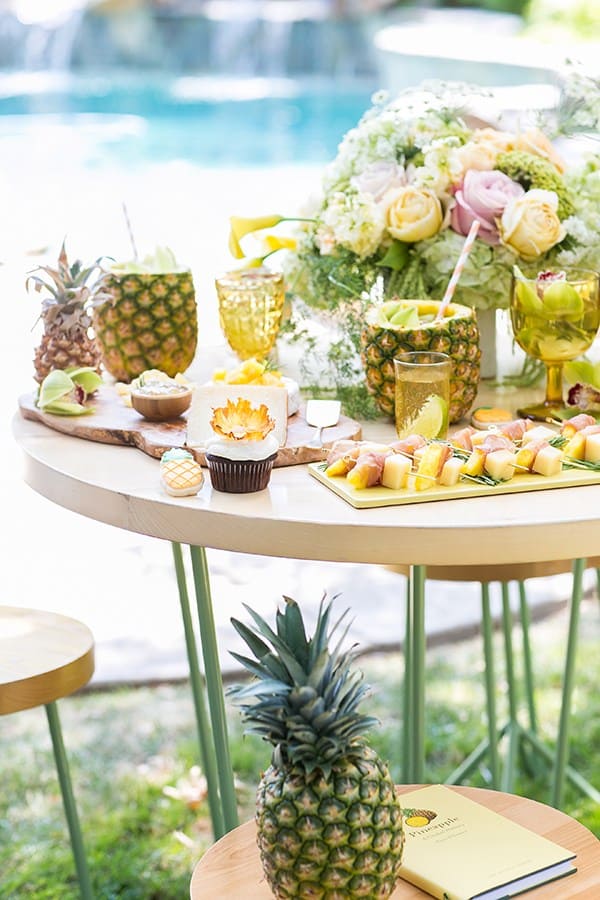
(414, 404)
(250, 310)
(557, 338)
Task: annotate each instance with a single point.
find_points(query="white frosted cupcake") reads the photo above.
(241, 457)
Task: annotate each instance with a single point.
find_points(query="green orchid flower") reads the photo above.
(63, 392)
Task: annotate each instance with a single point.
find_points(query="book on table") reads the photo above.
(457, 849)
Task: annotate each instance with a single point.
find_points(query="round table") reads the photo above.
(231, 868)
(298, 517)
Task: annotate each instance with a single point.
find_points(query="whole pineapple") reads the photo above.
(329, 822)
(388, 332)
(150, 321)
(73, 291)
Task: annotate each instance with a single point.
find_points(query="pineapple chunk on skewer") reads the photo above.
(575, 446)
(474, 465)
(430, 465)
(575, 424)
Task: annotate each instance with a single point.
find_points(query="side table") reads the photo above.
(231, 868)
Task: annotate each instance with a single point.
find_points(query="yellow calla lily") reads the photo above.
(239, 228)
(254, 262)
(274, 243)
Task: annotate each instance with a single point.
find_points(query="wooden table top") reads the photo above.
(43, 657)
(231, 868)
(298, 517)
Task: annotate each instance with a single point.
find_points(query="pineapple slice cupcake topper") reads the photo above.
(240, 421)
(329, 821)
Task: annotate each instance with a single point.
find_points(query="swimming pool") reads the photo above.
(127, 121)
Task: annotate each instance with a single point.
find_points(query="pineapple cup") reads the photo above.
(329, 821)
(149, 322)
(402, 326)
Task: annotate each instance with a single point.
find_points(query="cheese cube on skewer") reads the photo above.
(500, 465)
(538, 433)
(548, 461)
(592, 448)
(451, 470)
(395, 471)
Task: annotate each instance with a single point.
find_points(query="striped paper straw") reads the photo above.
(460, 264)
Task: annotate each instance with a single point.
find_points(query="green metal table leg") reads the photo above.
(407, 711)
(527, 657)
(214, 686)
(197, 685)
(62, 768)
(490, 683)
(418, 673)
(508, 776)
(562, 743)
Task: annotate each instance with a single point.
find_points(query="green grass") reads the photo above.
(142, 803)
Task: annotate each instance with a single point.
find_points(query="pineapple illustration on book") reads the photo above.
(71, 290)
(329, 822)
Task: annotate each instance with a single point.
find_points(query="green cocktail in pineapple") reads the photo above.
(555, 318)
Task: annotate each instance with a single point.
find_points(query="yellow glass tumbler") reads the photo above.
(250, 309)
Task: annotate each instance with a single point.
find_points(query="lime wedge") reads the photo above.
(431, 421)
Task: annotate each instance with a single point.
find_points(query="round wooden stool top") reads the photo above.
(232, 868)
(506, 572)
(43, 657)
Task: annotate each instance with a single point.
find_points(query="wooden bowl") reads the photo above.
(161, 407)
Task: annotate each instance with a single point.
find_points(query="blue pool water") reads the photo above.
(126, 121)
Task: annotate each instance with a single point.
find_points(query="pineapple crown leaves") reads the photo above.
(71, 286)
(305, 695)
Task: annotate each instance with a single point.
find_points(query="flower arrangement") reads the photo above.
(406, 185)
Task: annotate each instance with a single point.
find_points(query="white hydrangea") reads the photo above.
(441, 166)
(356, 221)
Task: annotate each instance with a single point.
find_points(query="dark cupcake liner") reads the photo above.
(239, 476)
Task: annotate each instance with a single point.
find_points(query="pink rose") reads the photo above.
(378, 178)
(483, 196)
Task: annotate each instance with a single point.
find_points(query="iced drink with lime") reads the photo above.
(422, 394)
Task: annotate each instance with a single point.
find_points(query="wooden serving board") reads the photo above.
(114, 423)
(382, 496)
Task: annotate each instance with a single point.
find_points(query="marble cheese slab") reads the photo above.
(114, 423)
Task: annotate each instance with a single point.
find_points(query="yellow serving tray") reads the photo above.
(382, 496)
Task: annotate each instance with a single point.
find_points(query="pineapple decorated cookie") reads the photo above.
(72, 291)
(329, 821)
(180, 474)
(150, 321)
(401, 326)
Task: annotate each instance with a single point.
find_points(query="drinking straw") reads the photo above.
(129, 230)
(460, 264)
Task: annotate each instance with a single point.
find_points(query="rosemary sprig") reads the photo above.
(570, 463)
(558, 441)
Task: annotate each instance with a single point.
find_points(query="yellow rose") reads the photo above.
(481, 156)
(535, 141)
(501, 141)
(530, 225)
(413, 214)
